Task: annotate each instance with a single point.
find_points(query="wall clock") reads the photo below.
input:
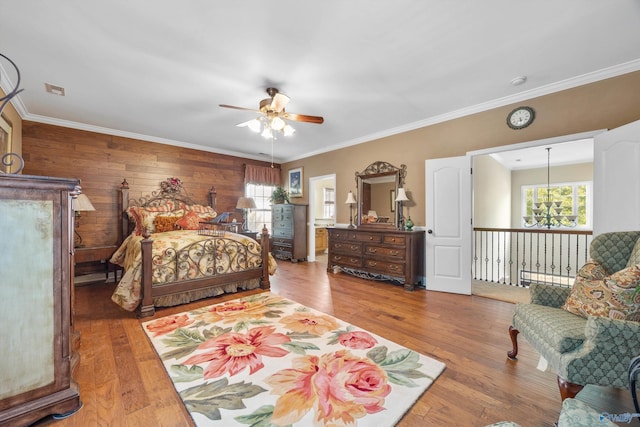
(521, 117)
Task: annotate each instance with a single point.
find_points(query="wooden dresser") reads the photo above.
(289, 231)
(378, 254)
(37, 354)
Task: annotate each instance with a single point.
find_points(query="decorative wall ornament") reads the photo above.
(9, 158)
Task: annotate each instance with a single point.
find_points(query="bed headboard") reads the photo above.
(167, 193)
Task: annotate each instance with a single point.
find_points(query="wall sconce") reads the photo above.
(81, 204)
(245, 203)
(351, 200)
(401, 197)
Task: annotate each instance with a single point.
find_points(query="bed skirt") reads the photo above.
(187, 297)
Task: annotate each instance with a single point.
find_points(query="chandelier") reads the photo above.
(269, 126)
(549, 213)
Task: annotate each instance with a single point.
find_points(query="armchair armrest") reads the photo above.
(605, 355)
(548, 295)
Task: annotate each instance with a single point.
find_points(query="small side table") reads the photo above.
(97, 253)
(252, 234)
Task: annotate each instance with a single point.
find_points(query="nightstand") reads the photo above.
(252, 234)
(95, 254)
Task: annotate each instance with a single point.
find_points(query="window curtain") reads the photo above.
(262, 175)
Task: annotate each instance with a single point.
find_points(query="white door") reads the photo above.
(616, 180)
(448, 238)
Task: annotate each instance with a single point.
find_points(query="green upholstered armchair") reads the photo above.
(582, 350)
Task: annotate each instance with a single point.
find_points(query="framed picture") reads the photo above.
(392, 200)
(295, 182)
(5, 142)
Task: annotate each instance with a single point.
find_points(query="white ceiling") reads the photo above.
(157, 69)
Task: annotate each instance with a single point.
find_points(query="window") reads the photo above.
(329, 203)
(261, 215)
(575, 198)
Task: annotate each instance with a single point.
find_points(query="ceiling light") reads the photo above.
(517, 81)
(254, 125)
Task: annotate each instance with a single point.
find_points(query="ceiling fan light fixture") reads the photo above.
(277, 123)
(254, 125)
(266, 133)
(287, 130)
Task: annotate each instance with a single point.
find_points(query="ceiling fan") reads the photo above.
(273, 115)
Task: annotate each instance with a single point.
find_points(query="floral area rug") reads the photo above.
(264, 360)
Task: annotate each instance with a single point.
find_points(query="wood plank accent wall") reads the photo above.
(102, 161)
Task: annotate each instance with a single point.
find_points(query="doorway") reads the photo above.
(322, 214)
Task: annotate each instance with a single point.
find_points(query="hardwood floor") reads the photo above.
(122, 382)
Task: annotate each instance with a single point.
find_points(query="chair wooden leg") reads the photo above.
(513, 333)
(568, 389)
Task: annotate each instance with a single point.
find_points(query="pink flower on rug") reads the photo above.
(307, 322)
(168, 324)
(233, 352)
(357, 340)
(238, 310)
(339, 387)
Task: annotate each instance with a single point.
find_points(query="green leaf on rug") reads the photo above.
(209, 398)
(184, 374)
(400, 365)
(261, 417)
(300, 347)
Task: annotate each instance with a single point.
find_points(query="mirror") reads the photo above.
(377, 187)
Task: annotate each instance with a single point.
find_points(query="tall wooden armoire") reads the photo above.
(36, 298)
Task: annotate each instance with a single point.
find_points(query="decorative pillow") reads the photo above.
(140, 216)
(202, 211)
(592, 270)
(191, 221)
(165, 223)
(634, 258)
(613, 296)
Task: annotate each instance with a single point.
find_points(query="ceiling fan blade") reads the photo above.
(240, 108)
(279, 102)
(303, 118)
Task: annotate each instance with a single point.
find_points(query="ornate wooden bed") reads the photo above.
(159, 271)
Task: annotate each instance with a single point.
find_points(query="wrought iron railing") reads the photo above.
(518, 257)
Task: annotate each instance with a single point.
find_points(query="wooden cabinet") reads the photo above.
(289, 231)
(378, 254)
(36, 299)
(322, 241)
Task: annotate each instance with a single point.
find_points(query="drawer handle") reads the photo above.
(354, 247)
(393, 239)
(338, 245)
(370, 237)
(373, 250)
(354, 260)
(337, 258)
(393, 267)
(394, 253)
(373, 263)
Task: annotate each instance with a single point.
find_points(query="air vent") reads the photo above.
(53, 89)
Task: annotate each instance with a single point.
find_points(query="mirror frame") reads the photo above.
(377, 170)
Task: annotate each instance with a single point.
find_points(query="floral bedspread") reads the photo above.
(182, 255)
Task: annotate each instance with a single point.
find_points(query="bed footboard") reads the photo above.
(218, 279)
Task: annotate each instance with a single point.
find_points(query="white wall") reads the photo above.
(491, 193)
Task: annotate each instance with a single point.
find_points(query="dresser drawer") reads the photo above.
(386, 252)
(394, 240)
(279, 242)
(287, 233)
(342, 235)
(345, 260)
(368, 237)
(385, 267)
(347, 247)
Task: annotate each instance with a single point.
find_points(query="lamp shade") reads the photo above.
(82, 203)
(246, 203)
(401, 196)
(350, 199)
